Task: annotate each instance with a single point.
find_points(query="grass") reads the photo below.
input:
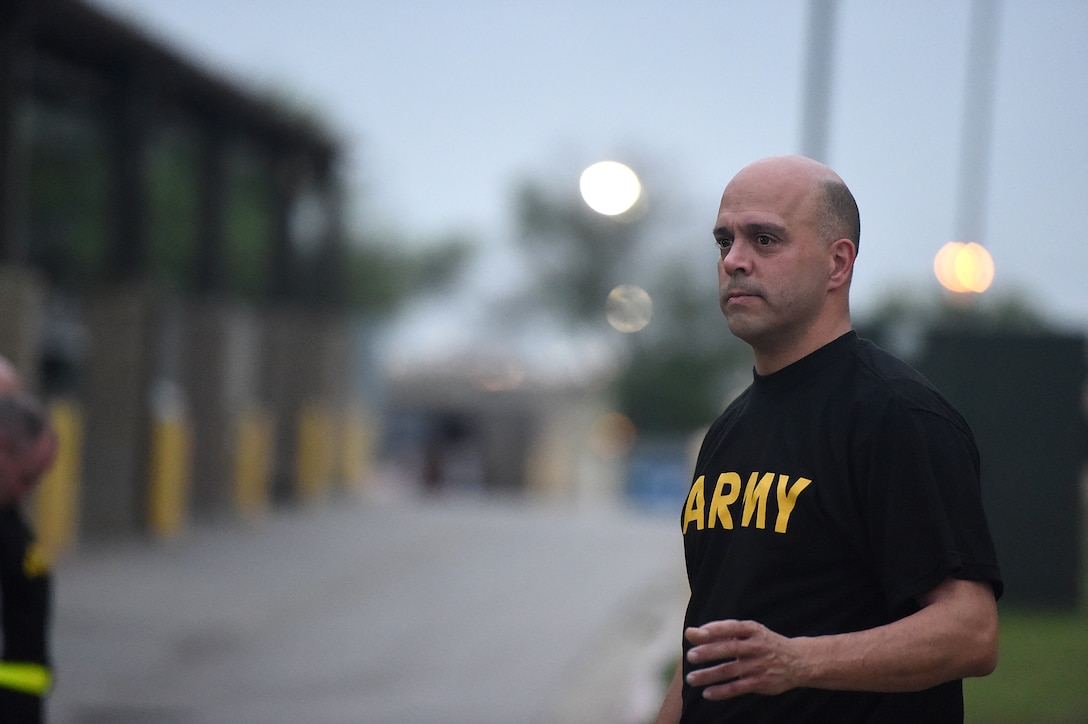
(1042, 673)
(1042, 670)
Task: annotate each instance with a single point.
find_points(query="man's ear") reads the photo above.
(841, 262)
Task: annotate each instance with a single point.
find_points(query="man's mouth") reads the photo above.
(732, 294)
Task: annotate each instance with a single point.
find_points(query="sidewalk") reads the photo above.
(357, 611)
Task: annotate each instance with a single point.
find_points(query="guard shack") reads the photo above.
(170, 273)
(492, 422)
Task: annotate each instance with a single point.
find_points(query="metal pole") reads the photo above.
(977, 129)
(818, 71)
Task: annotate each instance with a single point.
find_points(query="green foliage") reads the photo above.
(385, 273)
(248, 223)
(577, 255)
(668, 391)
(679, 368)
(1008, 310)
(683, 363)
(173, 206)
(69, 217)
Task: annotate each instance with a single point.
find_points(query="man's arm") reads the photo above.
(953, 636)
(673, 705)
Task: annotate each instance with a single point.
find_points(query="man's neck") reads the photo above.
(771, 358)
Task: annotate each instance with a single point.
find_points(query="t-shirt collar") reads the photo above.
(806, 366)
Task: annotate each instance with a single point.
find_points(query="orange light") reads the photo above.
(964, 267)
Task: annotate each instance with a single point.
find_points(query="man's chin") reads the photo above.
(743, 326)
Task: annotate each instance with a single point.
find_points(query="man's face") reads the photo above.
(21, 469)
(773, 267)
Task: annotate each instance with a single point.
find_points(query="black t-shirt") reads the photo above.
(826, 499)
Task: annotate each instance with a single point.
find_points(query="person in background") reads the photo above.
(28, 447)
(9, 378)
(840, 563)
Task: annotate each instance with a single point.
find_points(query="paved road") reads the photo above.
(360, 611)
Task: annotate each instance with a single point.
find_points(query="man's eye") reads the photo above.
(764, 240)
(724, 243)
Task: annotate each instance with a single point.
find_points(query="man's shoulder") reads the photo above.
(883, 363)
(882, 369)
(886, 382)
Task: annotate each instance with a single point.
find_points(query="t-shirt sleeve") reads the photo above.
(923, 504)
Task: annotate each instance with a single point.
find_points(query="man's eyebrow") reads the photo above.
(751, 228)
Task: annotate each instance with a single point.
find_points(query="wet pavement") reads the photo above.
(365, 611)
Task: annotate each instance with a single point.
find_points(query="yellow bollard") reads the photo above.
(168, 488)
(56, 502)
(357, 450)
(315, 453)
(253, 462)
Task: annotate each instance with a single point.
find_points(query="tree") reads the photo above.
(576, 255)
(675, 372)
(682, 367)
(899, 311)
(384, 271)
(68, 200)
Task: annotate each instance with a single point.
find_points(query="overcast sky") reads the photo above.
(443, 106)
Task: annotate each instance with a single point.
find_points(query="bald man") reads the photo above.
(840, 563)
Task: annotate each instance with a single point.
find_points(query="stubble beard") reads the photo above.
(745, 325)
(767, 327)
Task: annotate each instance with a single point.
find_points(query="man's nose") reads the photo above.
(737, 259)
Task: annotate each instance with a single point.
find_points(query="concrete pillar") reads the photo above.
(338, 394)
(306, 381)
(286, 381)
(22, 300)
(223, 345)
(205, 354)
(121, 326)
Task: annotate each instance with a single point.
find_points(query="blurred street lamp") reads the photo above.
(629, 308)
(963, 268)
(967, 267)
(609, 187)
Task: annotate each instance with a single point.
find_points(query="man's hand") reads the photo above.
(741, 657)
(952, 636)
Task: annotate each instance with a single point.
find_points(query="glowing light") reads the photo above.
(613, 435)
(629, 308)
(944, 266)
(963, 267)
(609, 187)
